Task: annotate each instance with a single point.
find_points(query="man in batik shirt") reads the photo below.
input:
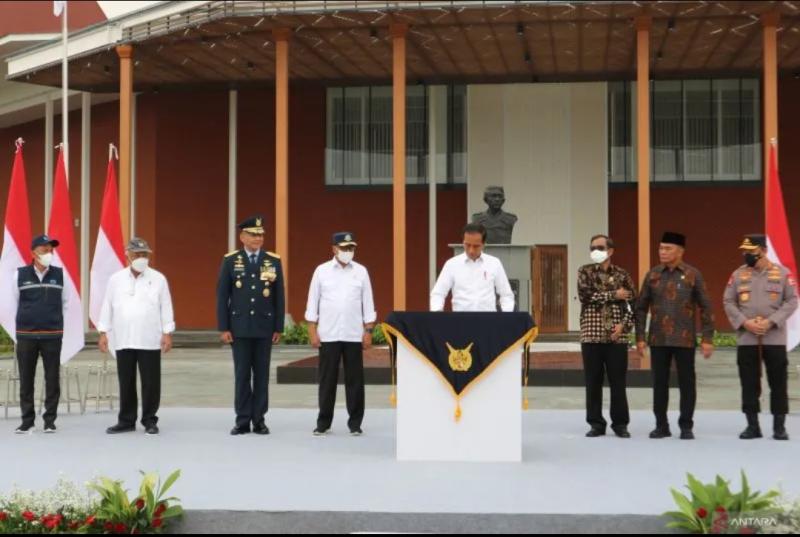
(672, 292)
(606, 292)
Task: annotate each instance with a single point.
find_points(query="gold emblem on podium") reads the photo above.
(460, 359)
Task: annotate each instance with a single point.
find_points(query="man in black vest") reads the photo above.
(40, 302)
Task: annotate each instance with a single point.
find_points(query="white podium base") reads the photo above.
(490, 428)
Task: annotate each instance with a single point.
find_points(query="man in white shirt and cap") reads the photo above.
(136, 323)
(340, 315)
(476, 279)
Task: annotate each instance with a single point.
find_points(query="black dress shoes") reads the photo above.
(120, 428)
(621, 431)
(660, 432)
(261, 429)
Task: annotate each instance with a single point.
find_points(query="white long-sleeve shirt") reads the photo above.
(340, 301)
(137, 311)
(475, 285)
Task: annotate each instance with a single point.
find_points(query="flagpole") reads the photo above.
(64, 89)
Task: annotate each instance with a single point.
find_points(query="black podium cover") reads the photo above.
(461, 346)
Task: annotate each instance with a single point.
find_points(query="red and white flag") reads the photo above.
(779, 240)
(16, 242)
(66, 256)
(109, 252)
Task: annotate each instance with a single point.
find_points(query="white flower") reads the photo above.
(64, 496)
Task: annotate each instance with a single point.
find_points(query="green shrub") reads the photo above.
(298, 335)
(720, 340)
(146, 513)
(724, 340)
(714, 508)
(377, 336)
(6, 343)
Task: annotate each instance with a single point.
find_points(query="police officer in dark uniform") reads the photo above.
(40, 301)
(759, 298)
(250, 315)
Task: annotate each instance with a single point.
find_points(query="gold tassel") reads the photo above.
(392, 365)
(458, 410)
(526, 361)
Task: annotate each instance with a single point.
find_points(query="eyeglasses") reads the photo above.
(600, 248)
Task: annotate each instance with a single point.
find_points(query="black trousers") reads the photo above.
(687, 383)
(776, 363)
(251, 357)
(330, 356)
(28, 351)
(149, 362)
(601, 360)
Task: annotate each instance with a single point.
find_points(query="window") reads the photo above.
(620, 148)
(359, 136)
(701, 130)
(666, 131)
(457, 134)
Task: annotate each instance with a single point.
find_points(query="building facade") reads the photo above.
(539, 99)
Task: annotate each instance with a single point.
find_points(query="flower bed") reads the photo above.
(101, 506)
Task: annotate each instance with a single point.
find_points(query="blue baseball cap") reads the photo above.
(43, 240)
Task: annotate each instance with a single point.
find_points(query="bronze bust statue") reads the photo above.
(499, 224)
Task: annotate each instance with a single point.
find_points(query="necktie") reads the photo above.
(252, 259)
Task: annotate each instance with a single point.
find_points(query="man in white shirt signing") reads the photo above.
(475, 278)
(341, 315)
(137, 315)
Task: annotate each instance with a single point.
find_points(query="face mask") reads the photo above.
(45, 260)
(345, 257)
(140, 264)
(751, 259)
(599, 256)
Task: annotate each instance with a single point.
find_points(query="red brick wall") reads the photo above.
(182, 192)
(190, 208)
(789, 142)
(37, 17)
(714, 218)
(33, 134)
(317, 212)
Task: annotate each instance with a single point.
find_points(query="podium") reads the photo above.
(459, 384)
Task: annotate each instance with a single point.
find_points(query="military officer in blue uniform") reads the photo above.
(250, 315)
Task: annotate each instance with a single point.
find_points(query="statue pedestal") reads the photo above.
(517, 259)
